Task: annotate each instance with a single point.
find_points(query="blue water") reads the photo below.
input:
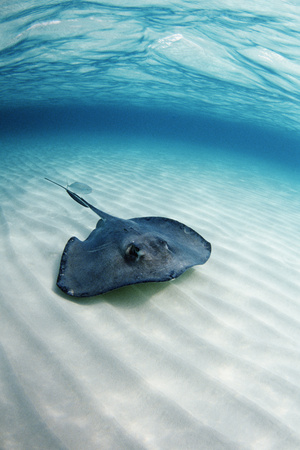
(185, 109)
(213, 70)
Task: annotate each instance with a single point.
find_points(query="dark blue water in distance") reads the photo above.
(212, 71)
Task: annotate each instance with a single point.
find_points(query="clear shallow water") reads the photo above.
(210, 360)
(163, 108)
(217, 59)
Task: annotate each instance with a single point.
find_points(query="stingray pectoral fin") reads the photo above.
(188, 246)
(92, 267)
(68, 267)
(76, 276)
(87, 270)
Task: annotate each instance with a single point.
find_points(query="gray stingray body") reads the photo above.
(121, 252)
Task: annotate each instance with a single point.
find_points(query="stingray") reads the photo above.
(121, 252)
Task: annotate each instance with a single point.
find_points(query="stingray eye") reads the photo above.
(164, 244)
(132, 252)
(160, 244)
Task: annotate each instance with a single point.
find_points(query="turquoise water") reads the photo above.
(216, 73)
(216, 60)
(183, 109)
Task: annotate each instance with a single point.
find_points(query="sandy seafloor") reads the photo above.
(208, 361)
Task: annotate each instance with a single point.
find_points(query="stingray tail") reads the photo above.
(78, 199)
(81, 201)
(74, 196)
(54, 182)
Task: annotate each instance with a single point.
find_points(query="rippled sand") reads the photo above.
(208, 361)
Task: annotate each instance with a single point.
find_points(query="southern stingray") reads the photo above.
(120, 252)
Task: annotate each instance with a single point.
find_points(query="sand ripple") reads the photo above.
(208, 361)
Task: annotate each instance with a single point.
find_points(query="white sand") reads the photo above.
(208, 361)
